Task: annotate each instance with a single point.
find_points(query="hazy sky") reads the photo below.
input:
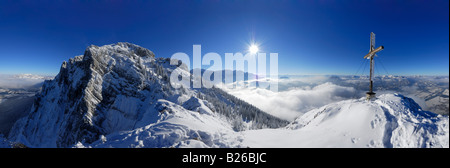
(310, 37)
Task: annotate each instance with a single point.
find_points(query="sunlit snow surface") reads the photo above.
(390, 121)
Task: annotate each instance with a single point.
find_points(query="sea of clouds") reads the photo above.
(295, 96)
(21, 81)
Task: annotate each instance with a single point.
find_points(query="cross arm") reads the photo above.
(372, 53)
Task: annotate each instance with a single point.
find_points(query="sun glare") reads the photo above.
(253, 49)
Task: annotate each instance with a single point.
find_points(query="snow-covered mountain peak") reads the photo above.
(121, 48)
(100, 92)
(114, 88)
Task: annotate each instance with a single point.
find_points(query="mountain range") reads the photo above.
(119, 95)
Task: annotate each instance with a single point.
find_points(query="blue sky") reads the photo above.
(310, 37)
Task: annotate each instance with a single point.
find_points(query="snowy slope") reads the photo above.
(175, 127)
(390, 121)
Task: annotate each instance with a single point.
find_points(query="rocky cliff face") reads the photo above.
(68, 108)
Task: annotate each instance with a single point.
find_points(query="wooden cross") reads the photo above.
(371, 55)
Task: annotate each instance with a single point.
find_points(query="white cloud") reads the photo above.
(290, 103)
(20, 81)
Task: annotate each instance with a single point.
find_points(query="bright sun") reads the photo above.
(253, 49)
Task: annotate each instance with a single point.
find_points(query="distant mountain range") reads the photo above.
(434, 90)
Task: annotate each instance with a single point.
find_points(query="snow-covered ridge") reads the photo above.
(392, 120)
